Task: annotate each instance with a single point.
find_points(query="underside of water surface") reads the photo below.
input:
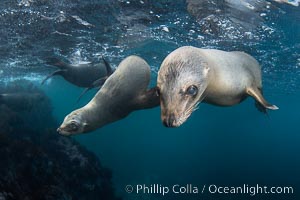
(229, 146)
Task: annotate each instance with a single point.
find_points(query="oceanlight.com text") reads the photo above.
(212, 189)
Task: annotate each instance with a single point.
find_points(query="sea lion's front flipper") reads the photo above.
(149, 99)
(96, 84)
(109, 69)
(260, 107)
(261, 104)
(82, 93)
(99, 82)
(57, 72)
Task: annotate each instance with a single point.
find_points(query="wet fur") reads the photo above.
(222, 78)
(124, 91)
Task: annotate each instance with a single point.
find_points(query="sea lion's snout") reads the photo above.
(170, 120)
(61, 131)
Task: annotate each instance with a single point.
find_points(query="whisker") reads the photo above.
(196, 107)
(188, 113)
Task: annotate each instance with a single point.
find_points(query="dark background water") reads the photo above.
(226, 146)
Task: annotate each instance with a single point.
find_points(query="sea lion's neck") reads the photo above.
(97, 113)
(93, 115)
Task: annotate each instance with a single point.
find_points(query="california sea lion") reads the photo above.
(191, 75)
(88, 75)
(123, 92)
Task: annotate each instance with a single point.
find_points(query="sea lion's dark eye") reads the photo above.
(192, 90)
(73, 126)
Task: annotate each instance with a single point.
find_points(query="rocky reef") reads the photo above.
(36, 162)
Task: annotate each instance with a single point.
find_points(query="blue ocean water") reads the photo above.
(229, 146)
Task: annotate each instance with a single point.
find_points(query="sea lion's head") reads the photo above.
(182, 81)
(73, 124)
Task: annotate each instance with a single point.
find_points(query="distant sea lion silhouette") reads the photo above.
(123, 92)
(87, 75)
(190, 75)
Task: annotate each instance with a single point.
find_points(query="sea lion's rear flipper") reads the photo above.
(97, 84)
(261, 103)
(57, 72)
(109, 70)
(57, 62)
(149, 99)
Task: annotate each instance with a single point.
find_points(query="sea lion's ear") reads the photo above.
(206, 70)
(86, 126)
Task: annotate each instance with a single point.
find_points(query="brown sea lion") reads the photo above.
(124, 91)
(190, 75)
